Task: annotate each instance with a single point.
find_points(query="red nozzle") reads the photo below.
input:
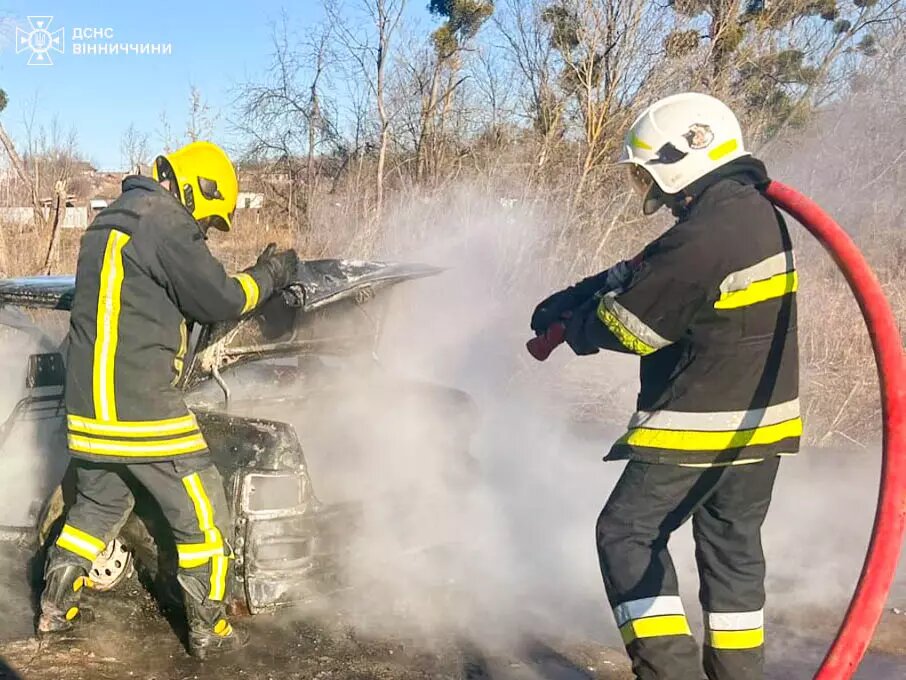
(541, 346)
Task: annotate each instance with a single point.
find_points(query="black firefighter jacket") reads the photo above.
(143, 270)
(711, 310)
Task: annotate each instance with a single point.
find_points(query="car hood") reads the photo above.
(324, 282)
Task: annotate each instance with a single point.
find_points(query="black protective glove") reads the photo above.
(553, 308)
(577, 336)
(281, 266)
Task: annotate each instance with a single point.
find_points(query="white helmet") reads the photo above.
(678, 140)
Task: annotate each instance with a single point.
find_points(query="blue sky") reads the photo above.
(215, 46)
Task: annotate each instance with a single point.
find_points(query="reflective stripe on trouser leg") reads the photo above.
(734, 645)
(212, 551)
(102, 504)
(734, 630)
(657, 638)
(647, 504)
(80, 542)
(650, 617)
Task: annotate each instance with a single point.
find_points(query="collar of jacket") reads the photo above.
(143, 183)
(748, 171)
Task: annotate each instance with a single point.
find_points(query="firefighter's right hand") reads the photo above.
(280, 265)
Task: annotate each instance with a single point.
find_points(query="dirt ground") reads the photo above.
(127, 637)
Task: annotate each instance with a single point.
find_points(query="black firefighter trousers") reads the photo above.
(728, 506)
(191, 496)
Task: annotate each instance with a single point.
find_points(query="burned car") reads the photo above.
(267, 390)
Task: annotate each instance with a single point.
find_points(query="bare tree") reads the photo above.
(286, 117)
(19, 166)
(530, 46)
(371, 53)
(133, 149)
(201, 120)
(165, 135)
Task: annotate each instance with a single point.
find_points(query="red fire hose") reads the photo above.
(880, 566)
(879, 569)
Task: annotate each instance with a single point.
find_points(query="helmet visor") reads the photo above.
(640, 179)
(644, 185)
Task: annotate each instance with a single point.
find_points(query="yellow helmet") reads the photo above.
(204, 180)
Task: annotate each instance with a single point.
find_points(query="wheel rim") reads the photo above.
(111, 567)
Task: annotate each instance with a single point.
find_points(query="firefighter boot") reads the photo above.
(60, 599)
(210, 634)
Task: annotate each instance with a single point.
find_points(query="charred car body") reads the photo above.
(292, 358)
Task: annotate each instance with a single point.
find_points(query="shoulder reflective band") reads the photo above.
(879, 570)
(630, 330)
(771, 278)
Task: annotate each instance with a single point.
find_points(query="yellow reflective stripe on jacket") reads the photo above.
(691, 440)
(81, 543)
(631, 331)
(759, 291)
(250, 288)
(108, 312)
(136, 449)
(773, 277)
(133, 428)
(735, 630)
(716, 421)
(179, 359)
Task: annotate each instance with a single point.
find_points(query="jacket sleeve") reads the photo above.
(657, 305)
(199, 284)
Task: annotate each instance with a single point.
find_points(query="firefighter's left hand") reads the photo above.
(280, 265)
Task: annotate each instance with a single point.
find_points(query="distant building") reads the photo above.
(250, 200)
(95, 205)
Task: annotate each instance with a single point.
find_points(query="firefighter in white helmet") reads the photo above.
(710, 307)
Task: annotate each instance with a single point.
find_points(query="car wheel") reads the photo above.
(112, 566)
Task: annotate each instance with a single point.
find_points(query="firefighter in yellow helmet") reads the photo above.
(144, 272)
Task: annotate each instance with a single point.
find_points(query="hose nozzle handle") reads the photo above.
(541, 346)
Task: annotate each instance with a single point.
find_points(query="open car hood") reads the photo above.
(324, 282)
(331, 319)
(327, 320)
(329, 281)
